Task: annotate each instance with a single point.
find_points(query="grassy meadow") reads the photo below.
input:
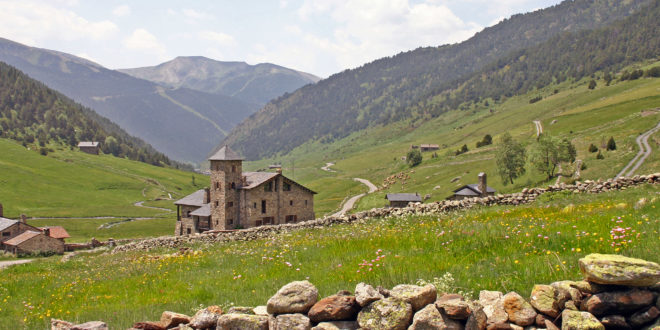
(496, 248)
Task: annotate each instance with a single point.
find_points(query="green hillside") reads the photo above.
(73, 185)
(389, 89)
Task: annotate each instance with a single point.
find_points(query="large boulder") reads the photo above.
(429, 318)
(337, 325)
(366, 294)
(544, 299)
(520, 311)
(493, 304)
(388, 313)
(417, 296)
(572, 320)
(172, 319)
(295, 297)
(618, 302)
(206, 318)
(454, 306)
(619, 270)
(290, 322)
(334, 308)
(242, 322)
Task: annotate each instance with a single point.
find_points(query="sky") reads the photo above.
(321, 37)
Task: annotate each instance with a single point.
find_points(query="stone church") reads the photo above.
(238, 199)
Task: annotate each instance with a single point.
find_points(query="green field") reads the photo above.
(496, 248)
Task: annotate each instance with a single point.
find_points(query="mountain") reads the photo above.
(183, 123)
(383, 91)
(251, 83)
(40, 117)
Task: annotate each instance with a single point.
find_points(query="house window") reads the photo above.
(291, 218)
(188, 214)
(230, 222)
(233, 185)
(305, 202)
(258, 223)
(255, 205)
(188, 230)
(230, 204)
(268, 186)
(263, 206)
(286, 186)
(217, 185)
(268, 220)
(5, 234)
(217, 203)
(291, 203)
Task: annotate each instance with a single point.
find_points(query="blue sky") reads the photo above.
(321, 37)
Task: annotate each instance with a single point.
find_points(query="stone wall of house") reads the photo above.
(527, 195)
(186, 222)
(15, 230)
(224, 173)
(41, 243)
(297, 202)
(616, 293)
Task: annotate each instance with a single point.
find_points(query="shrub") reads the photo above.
(592, 84)
(593, 148)
(611, 145)
(414, 157)
(536, 99)
(43, 151)
(600, 156)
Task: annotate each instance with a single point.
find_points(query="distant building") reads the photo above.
(238, 199)
(89, 147)
(428, 147)
(12, 228)
(474, 190)
(402, 199)
(34, 242)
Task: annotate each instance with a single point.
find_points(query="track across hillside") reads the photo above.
(644, 152)
(351, 201)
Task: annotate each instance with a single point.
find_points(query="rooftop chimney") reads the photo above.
(23, 218)
(483, 187)
(1, 214)
(207, 195)
(47, 231)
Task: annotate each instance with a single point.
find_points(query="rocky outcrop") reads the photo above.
(527, 195)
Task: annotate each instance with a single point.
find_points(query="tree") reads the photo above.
(592, 84)
(611, 145)
(549, 152)
(593, 148)
(414, 157)
(112, 145)
(510, 159)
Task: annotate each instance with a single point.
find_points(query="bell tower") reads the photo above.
(226, 179)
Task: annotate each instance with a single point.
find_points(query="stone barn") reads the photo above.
(238, 199)
(89, 147)
(34, 242)
(402, 199)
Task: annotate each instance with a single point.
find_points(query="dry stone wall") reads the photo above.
(527, 195)
(598, 302)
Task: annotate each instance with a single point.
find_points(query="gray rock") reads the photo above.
(206, 318)
(388, 313)
(295, 297)
(242, 322)
(544, 299)
(366, 294)
(429, 318)
(619, 270)
(455, 307)
(572, 320)
(644, 316)
(493, 305)
(618, 302)
(417, 296)
(615, 322)
(520, 311)
(291, 322)
(477, 319)
(337, 325)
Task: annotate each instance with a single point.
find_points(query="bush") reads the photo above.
(414, 157)
(43, 151)
(600, 156)
(611, 145)
(592, 148)
(592, 84)
(536, 99)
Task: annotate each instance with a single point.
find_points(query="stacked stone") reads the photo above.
(617, 293)
(527, 195)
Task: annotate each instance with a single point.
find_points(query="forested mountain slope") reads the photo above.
(383, 91)
(38, 116)
(166, 118)
(251, 83)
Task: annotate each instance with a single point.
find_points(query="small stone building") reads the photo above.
(12, 228)
(402, 199)
(428, 147)
(238, 199)
(89, 147)
(34, 242)
(474, 190)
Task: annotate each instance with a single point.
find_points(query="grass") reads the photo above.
(495, 248)
(82, 230)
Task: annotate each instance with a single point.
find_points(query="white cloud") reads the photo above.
(121, 11)
(196, 15)
(143, 41)
(31, 22)
(220, 38)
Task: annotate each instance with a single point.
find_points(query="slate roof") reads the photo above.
(6, 223)
(194, 199)
(204, 211)
(429, 146)
(472, 190)
(57, 232)
(403, 197)
(256, 178)
(88, 144)
(25, 236)
(225, 153)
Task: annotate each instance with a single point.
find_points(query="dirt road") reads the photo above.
(644, 152)
(351, 201)
(4, 264)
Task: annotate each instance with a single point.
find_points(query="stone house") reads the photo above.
(34, 242)
(474, 190)
(238, 199)
(402, 199)
(12, 228)
(89, 147)
(428, 147)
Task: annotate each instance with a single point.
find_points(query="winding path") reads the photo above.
(351, 201)
(5, 264)
(644, 152)
(539, 128)
(327, 167)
